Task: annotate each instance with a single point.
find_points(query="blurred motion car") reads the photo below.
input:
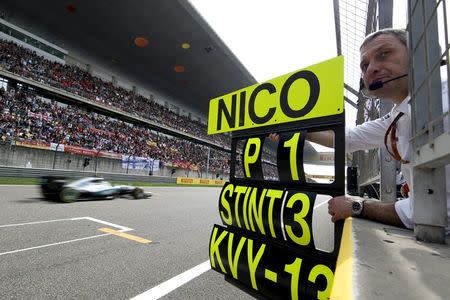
(89, 188)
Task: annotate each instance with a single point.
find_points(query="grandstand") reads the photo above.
(33, 115)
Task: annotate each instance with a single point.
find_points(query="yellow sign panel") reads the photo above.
(316, 91)
(187, 180)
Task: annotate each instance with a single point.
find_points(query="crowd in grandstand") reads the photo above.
(73, 79)
(26, 116)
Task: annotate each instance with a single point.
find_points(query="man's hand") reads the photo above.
(274, 137)
(324, 138)
(340, 207)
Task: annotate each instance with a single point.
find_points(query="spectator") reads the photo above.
(27, 117)
(27, 63)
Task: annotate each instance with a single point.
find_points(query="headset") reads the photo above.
(376, 85)
(379, 84)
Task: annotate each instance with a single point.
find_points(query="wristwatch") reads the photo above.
(357, 207)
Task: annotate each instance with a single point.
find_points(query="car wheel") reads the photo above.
(112, 196)
(138, 193)
(69, 195)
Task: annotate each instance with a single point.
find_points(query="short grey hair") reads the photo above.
(400, 34)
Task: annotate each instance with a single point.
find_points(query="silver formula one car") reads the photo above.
(59, 189)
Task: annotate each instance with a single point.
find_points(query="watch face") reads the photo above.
(356, 208)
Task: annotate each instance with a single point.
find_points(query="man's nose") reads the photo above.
(372, 68)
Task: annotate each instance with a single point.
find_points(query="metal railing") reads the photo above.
(16, 172)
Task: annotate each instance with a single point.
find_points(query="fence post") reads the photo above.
(96, 162)
(128, 162)
(54, 156)
(207, 161)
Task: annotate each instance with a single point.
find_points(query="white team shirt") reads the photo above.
(371, 134)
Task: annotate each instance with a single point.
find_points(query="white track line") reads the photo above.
(54, 244)
(33, 223)
(122, 229)
(174, 283)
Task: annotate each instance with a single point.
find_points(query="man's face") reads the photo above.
(384, 58)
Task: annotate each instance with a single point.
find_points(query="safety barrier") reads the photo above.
(37, 173)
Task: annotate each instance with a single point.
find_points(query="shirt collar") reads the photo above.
(402, 107)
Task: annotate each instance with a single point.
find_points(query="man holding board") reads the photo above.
(384, 66)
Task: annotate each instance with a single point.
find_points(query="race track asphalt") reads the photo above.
(54, 250)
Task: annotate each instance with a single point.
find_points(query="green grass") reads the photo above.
(157, 184)
(34, 181)
(18, 180)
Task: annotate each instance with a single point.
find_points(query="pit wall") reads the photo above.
(23, 157)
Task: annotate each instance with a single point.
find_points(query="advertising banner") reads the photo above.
(201, 181)
(57, 147)
(109, 155)
(79, 150)
(139, 163)
(33, 144)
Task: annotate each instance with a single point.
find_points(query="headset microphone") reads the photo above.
(379, 84)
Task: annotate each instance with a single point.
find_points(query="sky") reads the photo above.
(272, 40)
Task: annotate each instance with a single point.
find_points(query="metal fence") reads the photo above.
(368, 162)
(354, 20)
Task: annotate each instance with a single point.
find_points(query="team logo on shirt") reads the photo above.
(385, 117)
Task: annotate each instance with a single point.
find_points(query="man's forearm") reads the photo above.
(381, 212)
